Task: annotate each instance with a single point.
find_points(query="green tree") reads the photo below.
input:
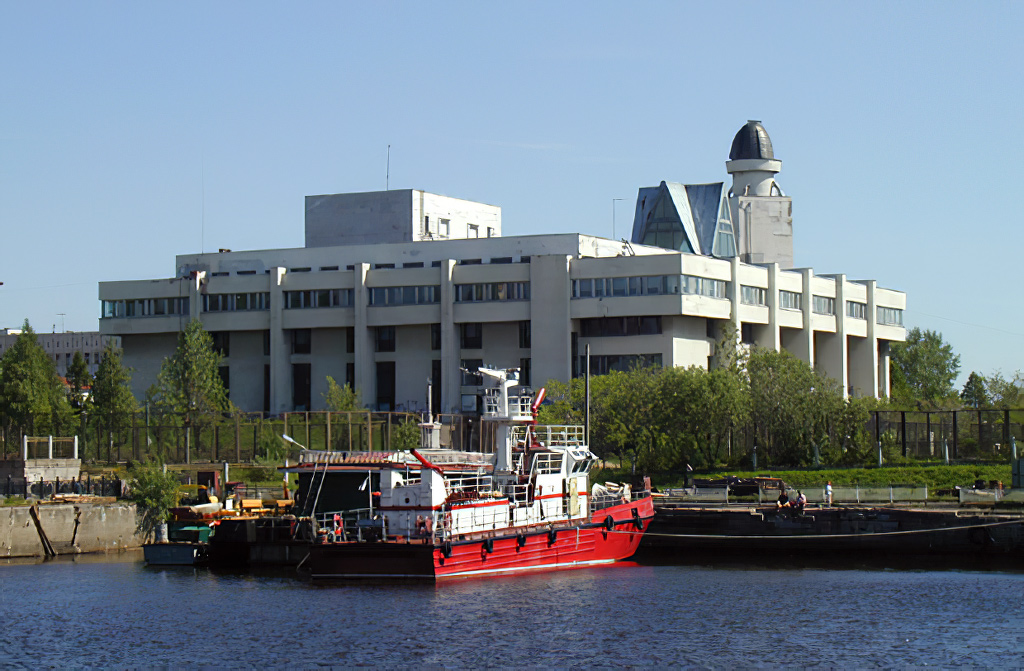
(154, 493)
(32, 396)
(974, 394)
(1006, 393)
(113, 404)
(189, 383)
(923, 368)
(79, 379)
(793, 407)
(341, 398)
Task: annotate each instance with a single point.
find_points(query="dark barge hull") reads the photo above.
(687, 533)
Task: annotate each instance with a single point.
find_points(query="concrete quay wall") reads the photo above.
(72, 528)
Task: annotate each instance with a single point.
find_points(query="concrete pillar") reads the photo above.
(774, 337)
(863, 352)
(451, 376)
(831, 353)
(551, 325)
(280, 347)
(735, 294)
(878, 363)
(362, 334)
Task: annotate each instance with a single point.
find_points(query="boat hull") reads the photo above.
(506, 552)
(174, 554)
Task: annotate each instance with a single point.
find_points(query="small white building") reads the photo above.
(393, 289)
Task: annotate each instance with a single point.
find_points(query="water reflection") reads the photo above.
(111, 610)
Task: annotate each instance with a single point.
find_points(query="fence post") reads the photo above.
(890, 494)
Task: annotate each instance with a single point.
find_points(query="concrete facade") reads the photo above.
(530, 301)
(62, 346)
(383, 299)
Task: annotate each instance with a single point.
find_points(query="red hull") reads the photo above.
(506, 553)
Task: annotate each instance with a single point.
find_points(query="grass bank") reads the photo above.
(936, 477)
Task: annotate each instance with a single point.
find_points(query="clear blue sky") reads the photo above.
(898, 124)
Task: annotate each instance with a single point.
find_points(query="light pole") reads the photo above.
(613, 216)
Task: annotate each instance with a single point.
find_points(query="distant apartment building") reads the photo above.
(394, 289)
(62, 346)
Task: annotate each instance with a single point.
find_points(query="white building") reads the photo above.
(62, 346)
(395, 288)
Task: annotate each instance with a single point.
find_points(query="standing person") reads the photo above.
(828, 493)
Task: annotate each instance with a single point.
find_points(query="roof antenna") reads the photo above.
(387, 176)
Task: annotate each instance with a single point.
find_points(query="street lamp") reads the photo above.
(613, 216)
(292, 441)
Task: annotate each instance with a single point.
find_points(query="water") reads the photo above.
(114, 612)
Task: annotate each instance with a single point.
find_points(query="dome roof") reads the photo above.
(751, 141)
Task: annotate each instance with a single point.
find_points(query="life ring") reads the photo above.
(609, 523)
(637, 522)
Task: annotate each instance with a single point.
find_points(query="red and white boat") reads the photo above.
(531, 509)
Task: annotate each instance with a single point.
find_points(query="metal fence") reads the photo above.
(243, 438)
(25, 488)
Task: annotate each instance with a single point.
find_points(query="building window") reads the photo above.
(602, 287)
(824, 305)
(525, 334)
(328, 268)
(266, 387)
(386, 385)
(472, 336)
(604, 327)
(302, 340)
(301, 379)
(501, 259)
(417, 264)
(318, 298)
(753, 295)
(471, 378)
(435, 385)
(444, 227)
(856, 310)
(747, 334)
(604, 364)
(889, 316)
(383, 266)
(490, 232)
(385, 339)
(524, 372)
(222, 342)
(472, 231)
(492, 291)
(350, 374)
(395, 296)
(703, 286)
(790, 300)
(147, 307)
(435, 336)
(470, 262)
(225, 378)
(350, 340)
